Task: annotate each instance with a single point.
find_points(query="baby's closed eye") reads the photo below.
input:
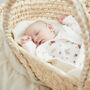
(37, 33)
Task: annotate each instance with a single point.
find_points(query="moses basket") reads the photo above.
(24, 70)
(88, 5)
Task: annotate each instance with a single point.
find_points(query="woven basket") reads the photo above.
(88, 5)
(44, 73)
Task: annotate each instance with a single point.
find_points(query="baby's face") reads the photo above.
(40, 32)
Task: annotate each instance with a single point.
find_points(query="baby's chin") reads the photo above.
(46, 40)
(51, 37)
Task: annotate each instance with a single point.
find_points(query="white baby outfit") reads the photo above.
(66, 46)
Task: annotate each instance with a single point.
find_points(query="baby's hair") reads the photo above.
(41, 22)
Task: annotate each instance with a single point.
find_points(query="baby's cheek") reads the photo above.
(27, 32)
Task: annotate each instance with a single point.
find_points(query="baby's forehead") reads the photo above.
(38, 25)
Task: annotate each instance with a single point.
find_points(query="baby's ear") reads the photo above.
(50, 27)
(61, 18)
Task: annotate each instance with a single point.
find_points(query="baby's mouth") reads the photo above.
(38, 43)
(41, 42)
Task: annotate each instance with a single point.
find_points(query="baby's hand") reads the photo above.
(25, 39)
(61, 18)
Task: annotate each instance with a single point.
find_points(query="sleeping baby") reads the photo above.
(39, 32)
(41, 40)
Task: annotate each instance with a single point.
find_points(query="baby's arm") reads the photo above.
(28, 44)
(70, 22)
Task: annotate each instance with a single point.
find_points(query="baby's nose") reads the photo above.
(36, 40)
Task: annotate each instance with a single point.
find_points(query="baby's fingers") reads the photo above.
(25, 39)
